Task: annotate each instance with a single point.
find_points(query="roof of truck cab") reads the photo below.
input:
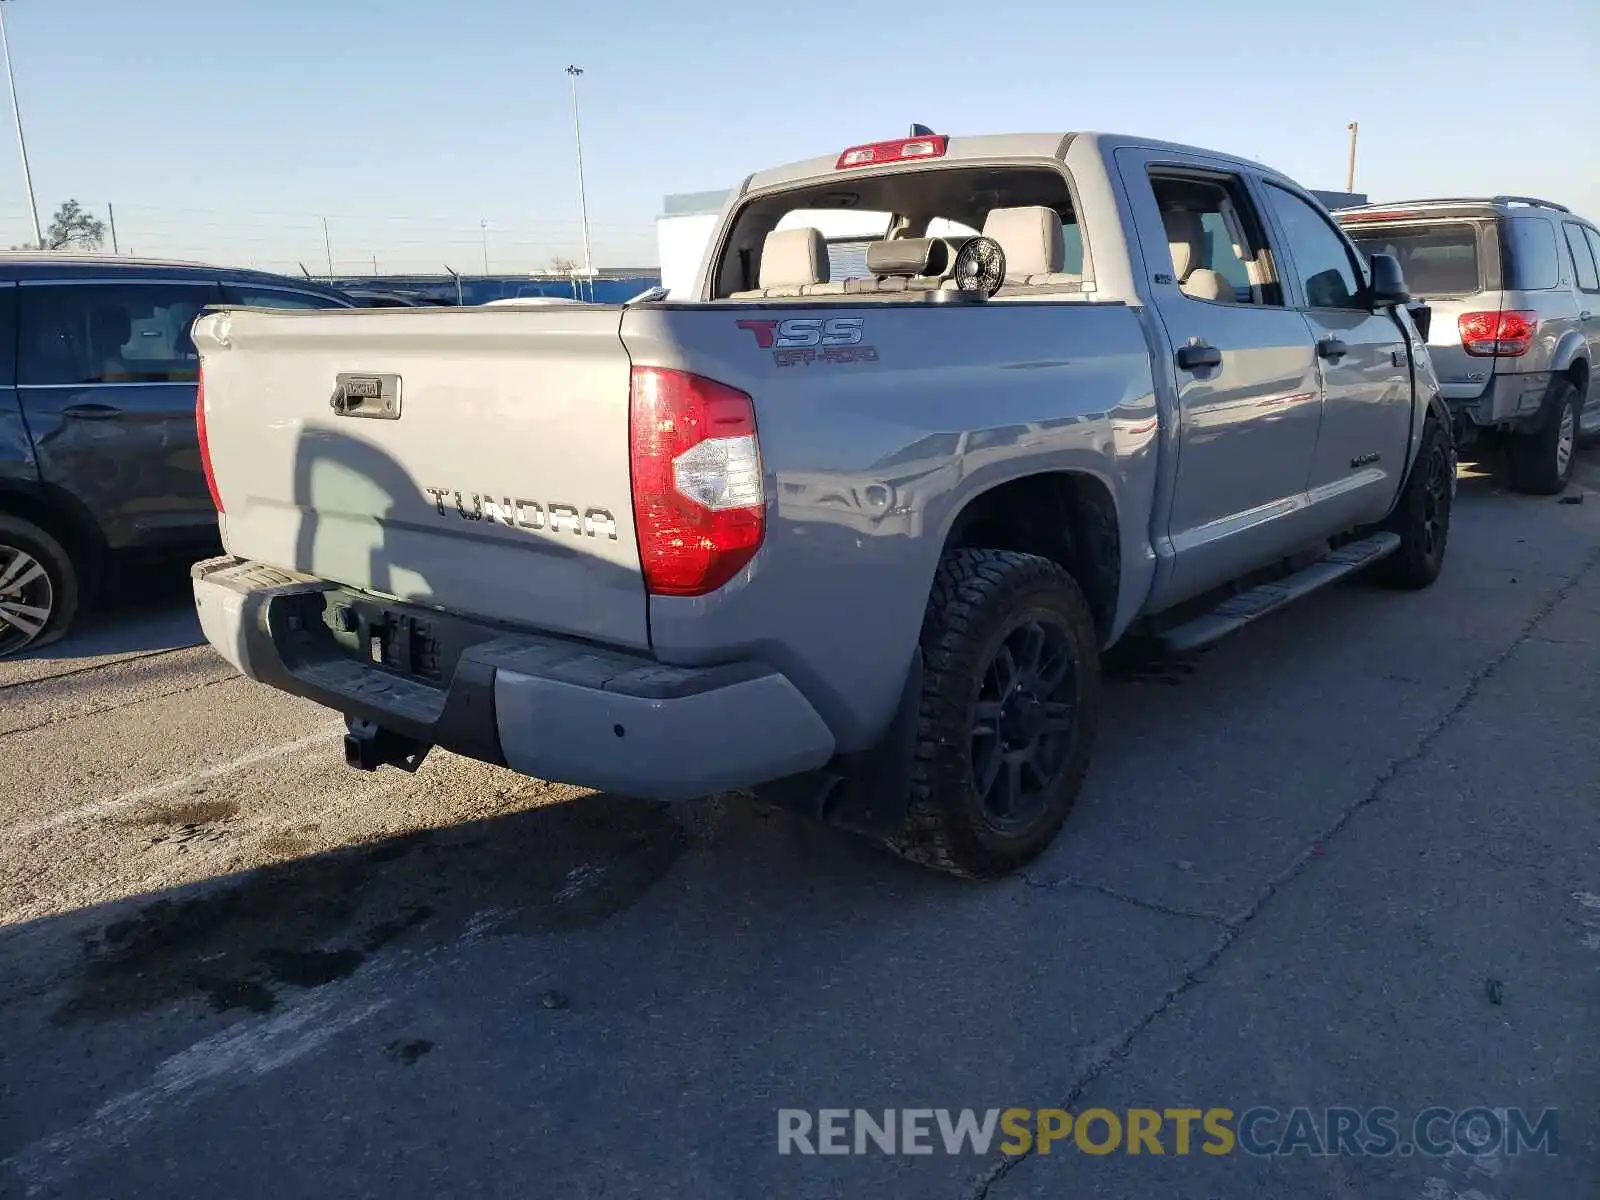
(980, 148)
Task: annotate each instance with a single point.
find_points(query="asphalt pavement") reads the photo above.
(1348, 859)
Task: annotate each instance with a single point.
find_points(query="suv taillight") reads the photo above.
(1506, 334)
(699, 502)
(205, 444)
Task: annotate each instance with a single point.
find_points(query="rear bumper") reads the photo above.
(547, 707)
(1507, 397)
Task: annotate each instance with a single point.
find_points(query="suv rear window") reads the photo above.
(1437, 260)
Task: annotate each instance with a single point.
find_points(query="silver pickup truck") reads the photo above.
(853, 527)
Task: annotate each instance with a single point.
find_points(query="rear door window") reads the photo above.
(1214, 238)
(1535, 265)
(1583, 259)
(109, 333)
(1436, 260)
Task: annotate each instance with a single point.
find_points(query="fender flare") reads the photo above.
(55, 508)
(1572, 347)
(1440, 412)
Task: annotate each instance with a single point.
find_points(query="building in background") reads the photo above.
(688, 219)
(1333, 201)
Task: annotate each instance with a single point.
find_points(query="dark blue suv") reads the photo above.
(98, 452)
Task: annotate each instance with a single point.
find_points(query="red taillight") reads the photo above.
(1506, 334)
(899, 150)
(699, 501)
(205, 445)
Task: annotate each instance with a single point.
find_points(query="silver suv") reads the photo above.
(1513, 285)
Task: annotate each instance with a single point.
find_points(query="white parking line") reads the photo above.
(235, 1055)
(100, 808)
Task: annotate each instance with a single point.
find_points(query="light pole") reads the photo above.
(1350, 178)
(483, 233)
(583, 203)
(27, 175)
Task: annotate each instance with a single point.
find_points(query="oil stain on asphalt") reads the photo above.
(237, 943)
(190, 812)
(406, 1053)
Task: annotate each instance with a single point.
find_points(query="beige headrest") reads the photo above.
(1186, 238)
(1031, 238)
(792, 258)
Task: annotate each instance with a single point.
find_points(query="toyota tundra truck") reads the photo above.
(853, 526)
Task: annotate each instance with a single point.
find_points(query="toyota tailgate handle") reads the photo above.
(376, 397)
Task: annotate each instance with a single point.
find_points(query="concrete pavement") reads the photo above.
(230, 966)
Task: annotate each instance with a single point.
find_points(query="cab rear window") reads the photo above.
(1437, 260)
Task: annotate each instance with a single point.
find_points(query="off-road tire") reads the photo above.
(65, 583)
(1533, 456)
(978, 597)
(1422, 516)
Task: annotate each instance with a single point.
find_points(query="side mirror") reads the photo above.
(1388, 283)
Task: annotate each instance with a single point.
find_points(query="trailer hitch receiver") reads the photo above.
(368, 746)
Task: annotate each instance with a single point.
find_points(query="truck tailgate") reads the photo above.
(471, 459)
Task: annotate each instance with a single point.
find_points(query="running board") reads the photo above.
(1239, 610)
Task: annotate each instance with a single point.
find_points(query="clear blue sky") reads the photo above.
(225, 130)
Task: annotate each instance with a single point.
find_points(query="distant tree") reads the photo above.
(562, 266)
(73, 229)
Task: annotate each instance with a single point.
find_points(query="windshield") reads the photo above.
(1437, 260)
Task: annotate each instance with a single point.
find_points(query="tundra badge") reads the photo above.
(525, 514)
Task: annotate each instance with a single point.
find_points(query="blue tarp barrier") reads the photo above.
(479, 289)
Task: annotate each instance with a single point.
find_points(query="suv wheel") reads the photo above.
(1422, 518)
(38, 586)
(1542, 462)
(1010, 700)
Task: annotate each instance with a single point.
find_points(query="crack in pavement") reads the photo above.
(97, 666)
(1120, 1045)
(1192, 914)
(110, 708)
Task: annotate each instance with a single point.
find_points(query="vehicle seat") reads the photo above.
(1033, 244)
(794, 262)
(110, 329)
(1186, 238)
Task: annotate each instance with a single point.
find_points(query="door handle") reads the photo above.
(1195, 357)
(1583, 316)
(91, 412)
(1331, 348)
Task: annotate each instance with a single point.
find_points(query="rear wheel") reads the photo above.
(1422, 518)
(38, 587)
(1010, 698)
(1542, 462)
